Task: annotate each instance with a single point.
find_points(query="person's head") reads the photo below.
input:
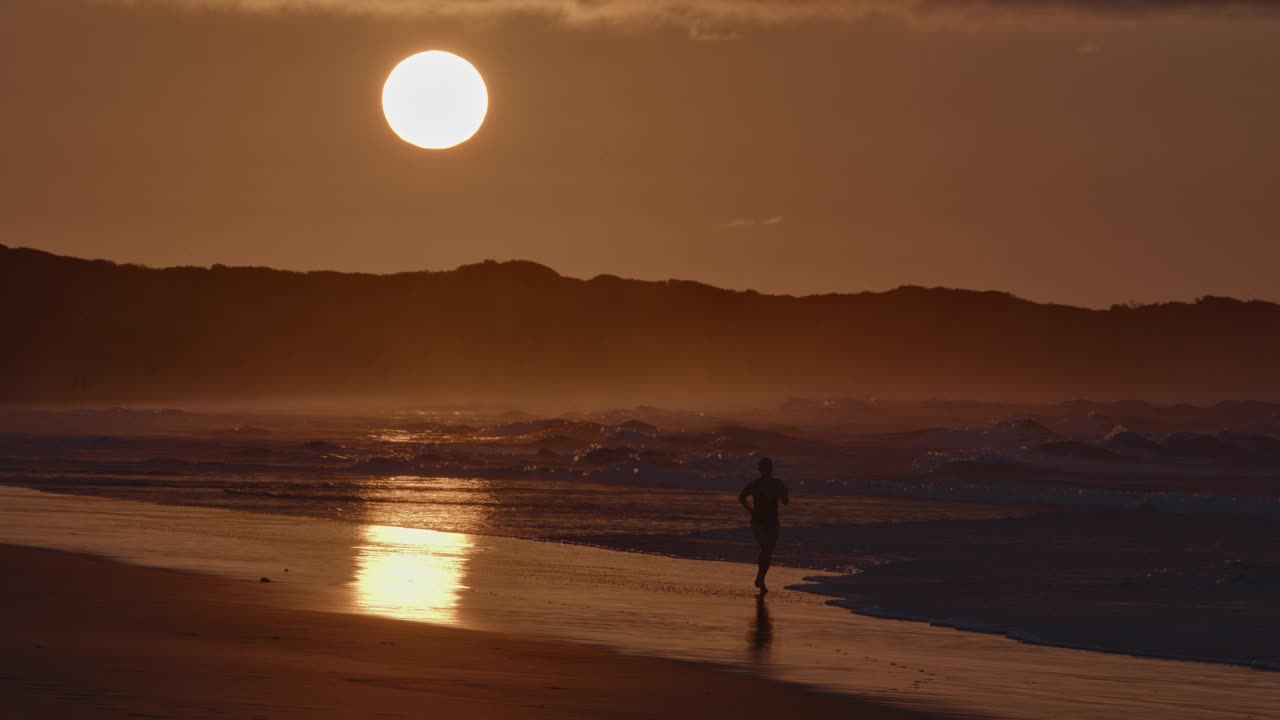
(766, 467)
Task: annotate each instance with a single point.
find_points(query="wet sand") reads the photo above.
(87, 637)
(689, 610)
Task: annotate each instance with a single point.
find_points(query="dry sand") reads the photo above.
(86, 637)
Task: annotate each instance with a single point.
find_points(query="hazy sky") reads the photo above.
(1086, 152)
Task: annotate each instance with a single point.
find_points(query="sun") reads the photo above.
(435, 100)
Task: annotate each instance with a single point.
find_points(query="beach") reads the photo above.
(88, 637)
(689, 611)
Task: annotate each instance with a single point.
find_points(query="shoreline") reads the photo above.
(819, 582)
(632, 603)
(826, 588)
(93, 637)
(1026, 638)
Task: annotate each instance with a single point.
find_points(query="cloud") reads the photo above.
(706, 19)
(707, 35)
(738, 223)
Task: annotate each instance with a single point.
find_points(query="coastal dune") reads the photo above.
(92, 638)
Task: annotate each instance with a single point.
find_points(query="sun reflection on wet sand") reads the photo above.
(410, 574)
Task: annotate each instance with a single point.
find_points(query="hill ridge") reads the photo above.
(98, 330)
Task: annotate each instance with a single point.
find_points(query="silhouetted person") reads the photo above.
(765, 492)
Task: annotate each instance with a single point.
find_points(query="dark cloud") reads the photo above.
(704, 14)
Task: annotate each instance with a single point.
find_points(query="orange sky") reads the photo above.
(1069, 158)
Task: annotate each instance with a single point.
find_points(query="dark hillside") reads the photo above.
(79, 330)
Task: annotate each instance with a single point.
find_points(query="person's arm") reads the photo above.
(786, 495)
(746, 493)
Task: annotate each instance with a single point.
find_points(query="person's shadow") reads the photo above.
(761, 635)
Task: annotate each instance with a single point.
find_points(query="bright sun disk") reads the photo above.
(435, 100)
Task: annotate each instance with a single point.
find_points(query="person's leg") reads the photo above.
(768, 539)
(759, 532)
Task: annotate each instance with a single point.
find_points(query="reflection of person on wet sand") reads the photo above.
(765, 492)
(762, 626)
